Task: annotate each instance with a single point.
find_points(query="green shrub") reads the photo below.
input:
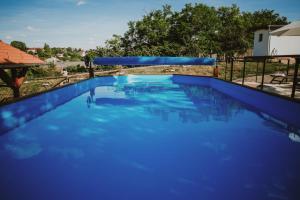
(76, 69)
(39, 72)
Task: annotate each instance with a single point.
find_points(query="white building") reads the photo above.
(52, 60)
(281, 41)
(82, 53)
(60, 55)
(33, 50)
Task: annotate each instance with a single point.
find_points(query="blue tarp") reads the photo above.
(153, 60)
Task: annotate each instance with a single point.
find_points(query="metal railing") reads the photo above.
(230, 69)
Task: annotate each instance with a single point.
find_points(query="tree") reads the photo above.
(113, 47)
(19, 45)
(149, 36)
(260, 19)
(41, 54)
(195, 30)
(232, 34)
(47, 51)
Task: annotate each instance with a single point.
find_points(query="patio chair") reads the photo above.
(278, 77)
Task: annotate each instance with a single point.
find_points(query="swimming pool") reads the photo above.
(150, 137)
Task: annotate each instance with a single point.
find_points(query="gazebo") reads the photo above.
(18, 63)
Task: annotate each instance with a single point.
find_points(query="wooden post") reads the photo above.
(88, 63)
(17, 79)
(91, 71)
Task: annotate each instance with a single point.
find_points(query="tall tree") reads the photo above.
(150, 35)
(47, 51)
(114, 46)
(194, 30)
(19, 45)
(261, 19)
(232, 35)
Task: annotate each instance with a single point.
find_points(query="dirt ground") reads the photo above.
(189, 70)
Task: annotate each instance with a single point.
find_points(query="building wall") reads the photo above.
(261, 47)
(275, 45)
(284, 45)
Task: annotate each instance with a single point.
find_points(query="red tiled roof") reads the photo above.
(12, 56)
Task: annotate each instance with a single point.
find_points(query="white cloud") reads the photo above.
(80, 2)
(23, 35)
(30, 28)
(8, 37)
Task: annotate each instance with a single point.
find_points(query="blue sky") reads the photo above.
(88, 23)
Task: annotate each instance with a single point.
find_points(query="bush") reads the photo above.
(39, 72)
(76, 69)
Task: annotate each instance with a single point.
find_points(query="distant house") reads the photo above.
(273, 41)
(82, 53)
(33, 50)
(52, 60)
(60, 55)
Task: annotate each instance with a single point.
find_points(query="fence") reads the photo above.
(276, 74)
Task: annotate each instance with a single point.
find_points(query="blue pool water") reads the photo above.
(146, 137)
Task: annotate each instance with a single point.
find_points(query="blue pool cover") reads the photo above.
(153, 60)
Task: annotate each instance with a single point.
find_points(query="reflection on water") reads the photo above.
(90, 98)
(17, 114)
(294, 137)
(191, 103)
(133, 138)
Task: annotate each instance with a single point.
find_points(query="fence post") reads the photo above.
(287, 70)
(244, 71)
(225, 67)
(257, 63)
(263, 74)
(231, 69)
(295, 77)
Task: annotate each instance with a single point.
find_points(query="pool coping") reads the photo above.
(56, 88)
(246, 86)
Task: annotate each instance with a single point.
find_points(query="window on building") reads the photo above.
(260, 38)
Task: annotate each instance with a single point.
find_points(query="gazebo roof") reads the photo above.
(13, 57)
